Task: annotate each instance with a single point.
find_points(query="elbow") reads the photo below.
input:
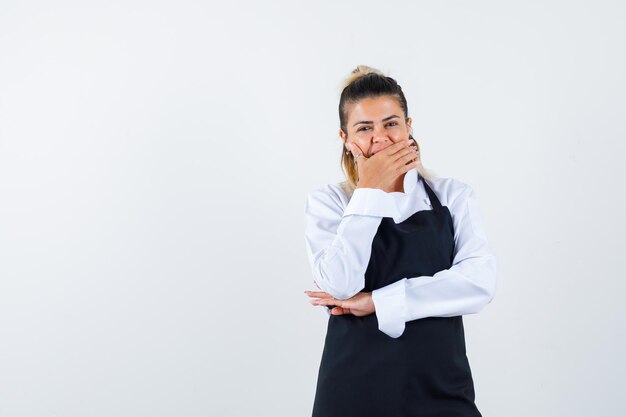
(341, 290)
(486, 294)
(492, 293)
(488, 285)
(488, 297)
(478, 302)
(478, 292)
(344, 295)
(492, 284)
(341, 284)
(489, 288)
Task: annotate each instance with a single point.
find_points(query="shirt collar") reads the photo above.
(410, 180)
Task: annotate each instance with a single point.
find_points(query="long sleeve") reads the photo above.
(465, 288)
(339, 240)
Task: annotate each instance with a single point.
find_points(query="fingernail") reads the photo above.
(409, 141)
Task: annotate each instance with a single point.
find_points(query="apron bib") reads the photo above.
(424, 372)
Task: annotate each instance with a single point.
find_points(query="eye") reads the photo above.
(394, 123)
(361, 128)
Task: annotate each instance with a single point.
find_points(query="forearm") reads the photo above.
(340, 268)
(339, 240)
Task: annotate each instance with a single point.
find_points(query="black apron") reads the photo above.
(424, 372)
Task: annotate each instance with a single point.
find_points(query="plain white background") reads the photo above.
(154, 161)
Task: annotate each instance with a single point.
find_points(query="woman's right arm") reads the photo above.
(339, 236)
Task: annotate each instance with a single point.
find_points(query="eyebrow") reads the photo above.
(370, 122)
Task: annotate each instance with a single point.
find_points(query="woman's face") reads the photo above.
(375, 123)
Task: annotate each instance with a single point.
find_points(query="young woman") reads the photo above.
(398, 257)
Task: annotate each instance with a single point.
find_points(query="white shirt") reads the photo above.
(339, 234)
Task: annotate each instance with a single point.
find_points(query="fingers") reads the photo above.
(409, 165)
(405, 155)
(357, 152)
(406, 163)
(318, 294)
(396, 147)
(327, 302)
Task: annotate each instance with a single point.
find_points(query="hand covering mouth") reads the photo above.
(378, 150)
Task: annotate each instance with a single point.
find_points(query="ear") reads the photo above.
(409, 121)
(343, 136)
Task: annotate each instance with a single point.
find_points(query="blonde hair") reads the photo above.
(363, 82)
(359, 72)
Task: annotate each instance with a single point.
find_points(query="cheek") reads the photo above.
(401, 133)
(358, 139)
(363, 144)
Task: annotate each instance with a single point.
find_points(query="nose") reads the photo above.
(380, 135)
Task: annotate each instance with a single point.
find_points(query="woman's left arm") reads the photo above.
(465, 288)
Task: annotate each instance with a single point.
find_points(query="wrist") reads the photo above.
(365, 184)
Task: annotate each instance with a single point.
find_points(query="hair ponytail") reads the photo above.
(359, 72)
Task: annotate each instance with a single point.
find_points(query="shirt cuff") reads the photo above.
(372, 202)
(390, 304)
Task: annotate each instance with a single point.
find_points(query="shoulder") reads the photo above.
(330, 198)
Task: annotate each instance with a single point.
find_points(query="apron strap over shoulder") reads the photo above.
(431, 194)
